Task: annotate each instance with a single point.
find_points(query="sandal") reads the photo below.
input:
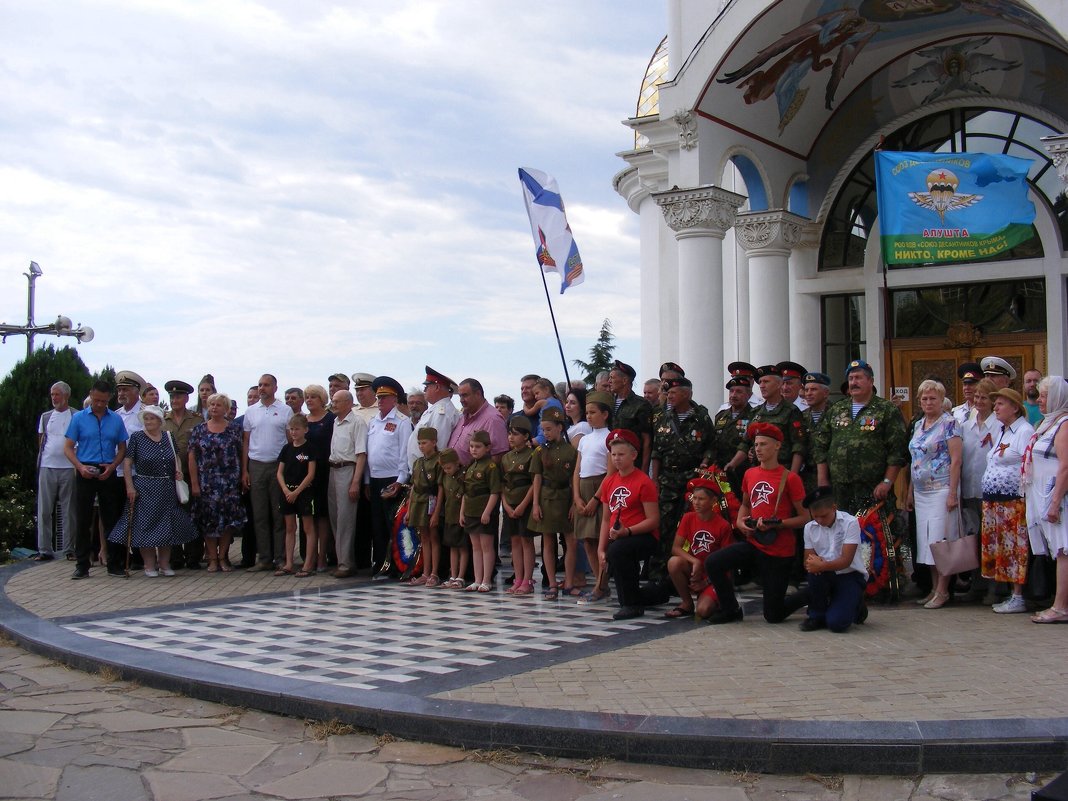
(485, 588)
(302, 574)
(939, 600)
(575, 592)
(213, 566)
(418, 581)
(1050, 615)
(472, 587)
(432, 582)
(524, 588)
(42, 557)
(283, 572)
(550, 594)
(225, 566)
(678, 613)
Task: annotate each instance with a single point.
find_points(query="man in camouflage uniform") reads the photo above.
(632, 412)
(683, 443)
(816, 389)
(780, 413)
(730, 424)
(861, 444)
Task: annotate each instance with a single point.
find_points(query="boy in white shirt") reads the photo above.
(836, 571)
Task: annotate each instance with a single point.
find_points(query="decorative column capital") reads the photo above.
(701, 211)
(1057, 147)
(687, 125)
(774, 231)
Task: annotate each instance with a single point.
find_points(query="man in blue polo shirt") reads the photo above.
(96, 444)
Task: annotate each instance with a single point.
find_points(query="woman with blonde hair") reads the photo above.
(934, 493)
(320, 431)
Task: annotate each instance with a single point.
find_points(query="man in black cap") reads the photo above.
(817, 389)
(683, 442)
(969, 373)
(780, 413)
(792, 384)
(632, 411)
(387, 465)
(730, 424)
(179, 422)
(749, 373)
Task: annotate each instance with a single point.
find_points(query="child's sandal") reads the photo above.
(550, 594)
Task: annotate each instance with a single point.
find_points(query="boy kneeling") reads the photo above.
(837, 575)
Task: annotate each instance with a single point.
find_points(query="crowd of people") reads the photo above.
(652, 491)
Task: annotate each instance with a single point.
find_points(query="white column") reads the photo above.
(768, 237)
(650, 221)
(805, 342)
(700, 217)
(1056, 298)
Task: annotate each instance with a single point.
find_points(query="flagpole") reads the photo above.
(563, 361)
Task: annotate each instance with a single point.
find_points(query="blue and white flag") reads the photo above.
(951, 207)
(554, 245)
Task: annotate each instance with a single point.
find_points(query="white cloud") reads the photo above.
(305, 187)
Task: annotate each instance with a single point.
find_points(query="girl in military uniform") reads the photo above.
(553, 466)
(516, 498)
(424, 505)
(482, 489)
(453, 538)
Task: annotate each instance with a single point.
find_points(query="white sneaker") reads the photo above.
(152, 573)
(1013, 605)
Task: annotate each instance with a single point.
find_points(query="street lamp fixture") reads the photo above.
(62, 327)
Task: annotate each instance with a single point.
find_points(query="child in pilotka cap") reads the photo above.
(453, 537)
(482, 490)
(424, 504)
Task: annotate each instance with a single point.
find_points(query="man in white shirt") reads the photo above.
(837, 575)
(128, 386)
(348, 459)
(387, 465)
(55, 475)
(441, 413)
(264, 435)
(366, 401)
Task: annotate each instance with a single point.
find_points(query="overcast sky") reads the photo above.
(303, 188)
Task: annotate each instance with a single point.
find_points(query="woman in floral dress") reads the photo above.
(215, 481)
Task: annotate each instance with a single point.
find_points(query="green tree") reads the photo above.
(24, 396)
(600, 354)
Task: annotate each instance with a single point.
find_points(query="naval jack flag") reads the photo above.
(554, 245)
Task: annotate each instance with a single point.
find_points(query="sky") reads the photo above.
(304, 188)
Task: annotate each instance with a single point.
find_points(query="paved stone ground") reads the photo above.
(72, 736)
(907, 663)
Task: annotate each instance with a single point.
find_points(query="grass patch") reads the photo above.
(830, 782)
(109, 674)
(321, 730)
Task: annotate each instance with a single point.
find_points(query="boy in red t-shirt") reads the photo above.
(701, 532)
(629, 525)
(771, 508)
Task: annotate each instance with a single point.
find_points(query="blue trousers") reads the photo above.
(835, 597)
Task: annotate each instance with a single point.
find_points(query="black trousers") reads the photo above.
(625, 556)
(774, 573)
(110, 494)
(382, 512)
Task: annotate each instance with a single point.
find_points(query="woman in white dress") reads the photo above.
(1045, 480)
(934, 492)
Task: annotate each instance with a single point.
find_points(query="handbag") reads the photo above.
(956, 556)
(180, 486)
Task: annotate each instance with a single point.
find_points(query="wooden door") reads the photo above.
(914, 360)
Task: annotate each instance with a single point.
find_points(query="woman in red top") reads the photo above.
(771, 508)
(630, 523)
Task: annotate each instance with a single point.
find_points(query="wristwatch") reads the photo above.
(887, 481)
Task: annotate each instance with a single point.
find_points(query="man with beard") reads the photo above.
(1030, 385)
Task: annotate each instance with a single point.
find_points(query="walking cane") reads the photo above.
(129, 535)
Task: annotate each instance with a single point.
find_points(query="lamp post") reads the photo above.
(62, 327)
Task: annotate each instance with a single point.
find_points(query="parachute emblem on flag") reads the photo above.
(941, 195)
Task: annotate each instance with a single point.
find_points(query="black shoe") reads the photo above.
(720, 616)
(116, 573)
(190, 566)
(80, 573)
(862, 614)
(628, 612)
(812, 624)
(178, 564)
